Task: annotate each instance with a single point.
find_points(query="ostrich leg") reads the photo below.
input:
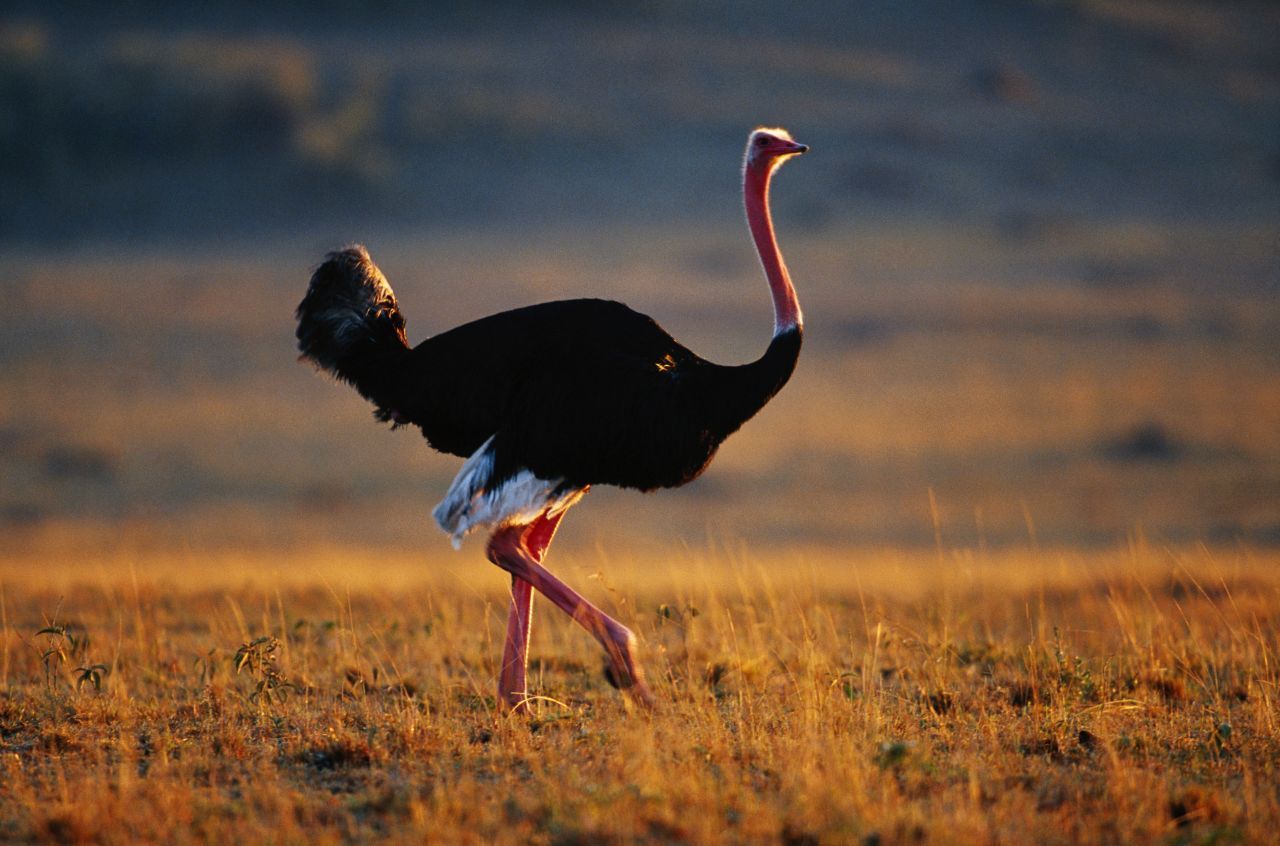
(507, 549)
(512, 684)
(512, 680)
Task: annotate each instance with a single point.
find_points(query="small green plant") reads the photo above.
(90, 675)
(258, 657)
(62, 646)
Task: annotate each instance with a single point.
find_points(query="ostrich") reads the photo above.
(545, 401)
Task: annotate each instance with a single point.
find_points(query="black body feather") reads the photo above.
(588, 391)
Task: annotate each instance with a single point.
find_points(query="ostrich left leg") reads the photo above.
(512, 680)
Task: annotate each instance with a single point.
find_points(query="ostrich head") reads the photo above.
(769, 147)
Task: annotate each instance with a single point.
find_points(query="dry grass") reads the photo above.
(815, 698)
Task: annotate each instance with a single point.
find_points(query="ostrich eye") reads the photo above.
(762, 141)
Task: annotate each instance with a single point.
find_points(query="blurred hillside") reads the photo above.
(177, 121)
(1036, 242)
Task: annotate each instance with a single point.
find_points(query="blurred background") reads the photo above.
(1036, 242)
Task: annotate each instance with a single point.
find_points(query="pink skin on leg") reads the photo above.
(512, 684)
(507, 549)
(512, 680)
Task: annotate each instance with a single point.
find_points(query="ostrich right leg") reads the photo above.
(508, 549)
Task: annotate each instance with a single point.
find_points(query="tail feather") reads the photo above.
(350, 324)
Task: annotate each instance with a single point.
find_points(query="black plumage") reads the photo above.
(587, 391)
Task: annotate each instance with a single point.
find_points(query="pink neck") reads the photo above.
(786, 308)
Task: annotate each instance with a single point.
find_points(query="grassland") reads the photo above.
(962, 697)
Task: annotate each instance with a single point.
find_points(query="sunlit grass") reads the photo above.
(819, 696)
